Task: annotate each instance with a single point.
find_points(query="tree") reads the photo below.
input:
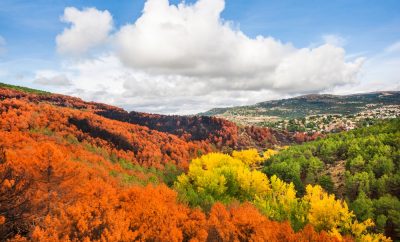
(325, 212)
(249, 157)
(218, 177)
(15, 194)
(363, 207)
(326, 183)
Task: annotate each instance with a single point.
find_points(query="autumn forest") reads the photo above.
(82, 171)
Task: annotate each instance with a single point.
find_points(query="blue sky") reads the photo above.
(368, 25)
(362, 28)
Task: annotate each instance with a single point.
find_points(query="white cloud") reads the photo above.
(89, 28)
(106, 79)
(185, 59)
(193, 41)
(314, 70)
(51, 78)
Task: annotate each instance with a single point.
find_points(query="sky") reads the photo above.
(177, 57)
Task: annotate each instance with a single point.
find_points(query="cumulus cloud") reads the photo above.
(89, 28)
(106, 79)
(194, 41)
(313, 70)
(185, 59)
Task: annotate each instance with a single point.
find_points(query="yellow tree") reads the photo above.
(325, 212)
(219, 177)
(249, 157)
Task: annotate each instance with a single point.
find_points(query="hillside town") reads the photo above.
(330, 123)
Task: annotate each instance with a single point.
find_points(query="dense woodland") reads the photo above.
(70, 173)
(222, 134)
(361, 166)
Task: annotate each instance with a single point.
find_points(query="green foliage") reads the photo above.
(71, 139)
(170, 174)
(23, 89)
(128, 165)
(44, 131)
(222, 178)
(388, 208)
(363, 207)
(371, 173)
(326, 183)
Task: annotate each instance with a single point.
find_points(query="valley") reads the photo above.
(62, 157)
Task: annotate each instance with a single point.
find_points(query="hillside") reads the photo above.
(319, 110)
(313, 104)
(72, 170)
(224, 135)
(360, 166)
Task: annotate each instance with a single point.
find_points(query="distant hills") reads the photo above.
(313, 104)
(315, 112)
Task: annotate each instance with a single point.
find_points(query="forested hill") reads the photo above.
(360, 166)
(222, 134)
(314, 104)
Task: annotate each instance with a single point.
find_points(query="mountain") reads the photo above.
(315, 112)
(313, 104)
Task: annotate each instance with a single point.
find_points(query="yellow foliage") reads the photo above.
(335, 233)
(374, 238)
(360, 231)
(268, 153)
(325, 212)
(280, 201)
(249, 157)
(221, 177)
(282, 190)
(360, 228)
(252, 182)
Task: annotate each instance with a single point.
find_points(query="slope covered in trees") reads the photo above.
(361, 166)
(62, 192)
(70, 173)
(222, 134)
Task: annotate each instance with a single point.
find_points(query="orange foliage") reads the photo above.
(245, 223)
(79, 201)
(223, 134)
(56, 183)
(135, 143)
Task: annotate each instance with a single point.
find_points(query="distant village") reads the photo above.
(330, 123)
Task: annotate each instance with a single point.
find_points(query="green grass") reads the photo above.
(23, 89)
(45, 131)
